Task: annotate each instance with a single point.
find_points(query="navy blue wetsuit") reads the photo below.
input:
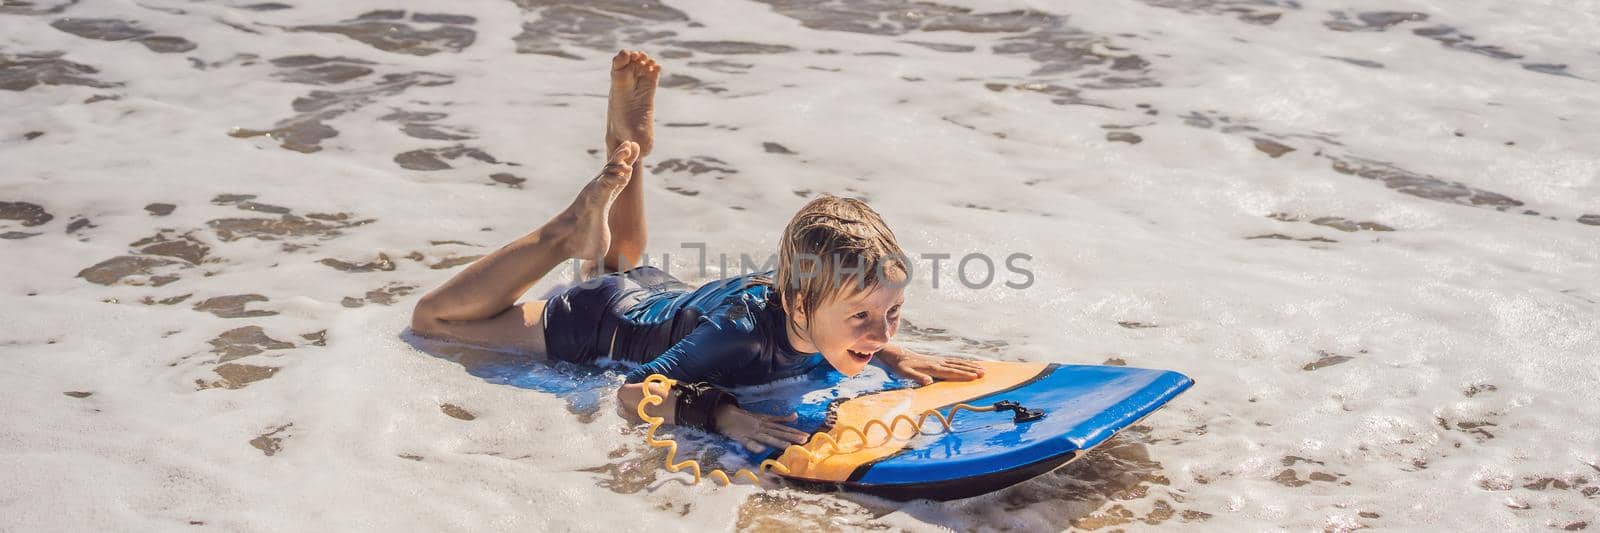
(728, 332)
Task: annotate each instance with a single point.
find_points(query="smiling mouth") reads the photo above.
(863, 357)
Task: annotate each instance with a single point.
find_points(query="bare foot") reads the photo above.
(631, 112)
(591, 234)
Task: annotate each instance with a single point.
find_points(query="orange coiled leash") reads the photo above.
(813, 450)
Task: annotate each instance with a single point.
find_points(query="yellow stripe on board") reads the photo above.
(884, 406)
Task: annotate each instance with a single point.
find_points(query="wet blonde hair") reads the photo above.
(834, 246)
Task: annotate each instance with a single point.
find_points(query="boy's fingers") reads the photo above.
(751, 445)
(788, 433)
(770, 440)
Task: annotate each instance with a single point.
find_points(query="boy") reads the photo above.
(835, 297)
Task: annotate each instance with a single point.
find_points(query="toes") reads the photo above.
(626, 153)
(620, 60)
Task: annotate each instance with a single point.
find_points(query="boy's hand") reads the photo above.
(757, 431)
(925, 368)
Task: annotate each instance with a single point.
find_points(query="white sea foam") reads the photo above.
(1437, 376)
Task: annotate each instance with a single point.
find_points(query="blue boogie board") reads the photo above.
(1080, 406)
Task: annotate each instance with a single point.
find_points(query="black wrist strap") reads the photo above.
(697, 404)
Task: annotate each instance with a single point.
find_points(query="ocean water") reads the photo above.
(1370, 231)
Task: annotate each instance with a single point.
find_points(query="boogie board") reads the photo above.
(1071, 408)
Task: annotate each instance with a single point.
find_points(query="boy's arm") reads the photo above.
(714, 346)
(926, 368)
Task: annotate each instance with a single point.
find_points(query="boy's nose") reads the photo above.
(879, 332)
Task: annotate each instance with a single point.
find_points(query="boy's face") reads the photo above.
(851, 328)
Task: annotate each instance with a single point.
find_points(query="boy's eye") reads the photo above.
(860, 316)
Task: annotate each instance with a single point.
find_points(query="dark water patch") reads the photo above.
(1060, 95)
(1371, 20)
(1421, 185)
(723, 66)
(29, 214)
(1273, 149)
(1455, 40)
(732, 47)
(452, 262)
(244, 341)
(1476, 389)
(78, 394)
(263, 208)
(18, 235)
(79, 222)
(122, 30)
(1124, 137)
(168, 243)
(243, 202)
(269, 229)
(1347, 225)
(433, 132)
(121, 268)
(991, 209)
(775, 148)
(267, 6)
(1478, 429)
(236, 376)
(27, 7)
(444, 18)
(1325, 360)
(682, 81)
(304, 132)
(434, 158)
(24, 71)
(171, 300)
(318, 70)
(233, 306)
(317, 338)
(160, 209)
(1130, 324)
(1590, 219)
(1357, 62)
(401, 115)
(231, 199)
(1549, 68)
(1115, 361)
(456, 412)
(101, 29)
(386, 295)
(32, 135)
(600, 26)
(1258, 12)
(269, 443)
(378, 29)
(944, 47)
(695, 166)
(383, 14)
(382, 264)
(1338, 223)
(682, 191)
(101, 98)
(1282, 237)
(508, 179)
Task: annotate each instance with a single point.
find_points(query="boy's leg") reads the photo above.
(629, 117)
(472, 306)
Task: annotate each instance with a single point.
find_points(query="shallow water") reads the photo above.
(1369, 232)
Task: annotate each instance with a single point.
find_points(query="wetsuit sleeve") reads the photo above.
(717, 347)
